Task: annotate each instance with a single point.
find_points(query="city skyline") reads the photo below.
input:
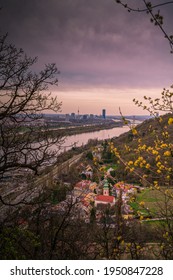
(106, 55)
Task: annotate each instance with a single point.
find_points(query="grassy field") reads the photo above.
(154, 203)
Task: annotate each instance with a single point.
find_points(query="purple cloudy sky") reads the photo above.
(106, 55)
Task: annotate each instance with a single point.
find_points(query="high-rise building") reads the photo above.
(73, 115)
(104, 114)
(67, 117)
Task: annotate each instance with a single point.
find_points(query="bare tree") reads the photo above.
(155, 15)
(26, 141)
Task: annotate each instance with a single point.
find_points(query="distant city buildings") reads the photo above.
(67, 117)
(85, 117)
(73, 115)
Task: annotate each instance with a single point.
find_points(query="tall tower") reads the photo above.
(106, 188)
(104, 113)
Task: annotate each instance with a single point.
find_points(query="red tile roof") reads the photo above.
(83, 184)
(105, 198)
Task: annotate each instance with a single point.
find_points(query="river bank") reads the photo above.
(78, 140)
(77, 143)
(44, 133)
(68, 131)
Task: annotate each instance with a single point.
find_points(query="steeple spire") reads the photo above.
(106, 188)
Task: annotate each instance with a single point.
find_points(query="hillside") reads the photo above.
(147, 137)
(146, 130)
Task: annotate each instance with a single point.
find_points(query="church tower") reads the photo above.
(106, 188)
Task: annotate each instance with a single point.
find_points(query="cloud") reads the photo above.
(95, 44)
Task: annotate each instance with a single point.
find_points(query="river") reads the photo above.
(82, 139)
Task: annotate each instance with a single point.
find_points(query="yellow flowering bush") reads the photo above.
(170, 121)
(167, 154)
